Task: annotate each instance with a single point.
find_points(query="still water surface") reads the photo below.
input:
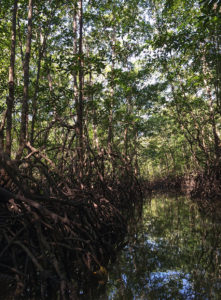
(174, 252)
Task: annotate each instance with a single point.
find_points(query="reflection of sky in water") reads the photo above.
(176, 255)
(160, 279)
(163, 278)
(152, 244)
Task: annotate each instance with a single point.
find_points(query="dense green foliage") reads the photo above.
(185, 124)
(133, 77)
(110, 39)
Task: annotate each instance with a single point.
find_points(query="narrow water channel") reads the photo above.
(174, 252)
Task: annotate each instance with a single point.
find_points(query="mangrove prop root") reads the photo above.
(67, 232)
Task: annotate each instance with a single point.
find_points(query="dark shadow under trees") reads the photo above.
(57, 231)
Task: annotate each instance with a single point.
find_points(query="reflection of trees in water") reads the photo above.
(206, 276)
(174, 254)
(95, 290)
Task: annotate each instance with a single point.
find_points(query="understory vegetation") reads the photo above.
(100, 101)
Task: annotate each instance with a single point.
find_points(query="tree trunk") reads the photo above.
(110, 124)
(24, 114)
(11, 83)
(126, 129)
(75, 52)
(80, 109)
(34, 101)
(94, 116)
(2, 126)
(110, 117)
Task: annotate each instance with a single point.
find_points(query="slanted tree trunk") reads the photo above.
(11, 83)
(24, 113)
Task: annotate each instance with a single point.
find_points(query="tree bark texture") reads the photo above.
(80, 109)
(11, 81)
(24, 114)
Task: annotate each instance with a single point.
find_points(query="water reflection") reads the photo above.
(173, 253)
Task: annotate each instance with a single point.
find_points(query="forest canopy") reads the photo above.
(135, 77)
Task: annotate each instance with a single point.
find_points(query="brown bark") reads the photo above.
(34, 102)
(2, 126)
(110, 125)
(20, 42)
(75, 51)
(11, 83)
(110, 117)
(24, 114)
(95, 134)
(127, 124)
(80, 88)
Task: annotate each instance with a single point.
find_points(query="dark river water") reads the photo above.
(174, 252)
